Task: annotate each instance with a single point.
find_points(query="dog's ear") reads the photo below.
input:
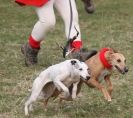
(109, 54)
(112, 50)
(73, 62)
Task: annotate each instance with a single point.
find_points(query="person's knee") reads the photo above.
(50, 22)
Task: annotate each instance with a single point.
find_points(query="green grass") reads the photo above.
(111, 25)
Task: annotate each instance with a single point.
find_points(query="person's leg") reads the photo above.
(68, 11)
(69, 14)
(44, 24)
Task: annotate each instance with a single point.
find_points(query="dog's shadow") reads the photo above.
(77, 108)
(54, 108)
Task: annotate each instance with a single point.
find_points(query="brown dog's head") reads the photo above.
(118, 62)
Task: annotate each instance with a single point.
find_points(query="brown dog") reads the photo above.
(101, 66)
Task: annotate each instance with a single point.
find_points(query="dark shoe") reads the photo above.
(89, 6)
(30, 54)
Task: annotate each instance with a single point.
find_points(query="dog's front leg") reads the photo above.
(74, 90)
(59, 84)
(109, 84)
(100, 87)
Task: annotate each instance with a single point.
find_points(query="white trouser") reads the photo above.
(47, 19)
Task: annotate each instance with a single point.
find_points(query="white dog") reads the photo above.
(63, 75)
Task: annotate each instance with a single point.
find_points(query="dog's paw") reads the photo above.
(26, 114)
(80, 95)
(64, 95)
(26, 111)
(109, 100)
(31, 108)
(108, 97)
(67, 94)
(74, 96)
(45, 109)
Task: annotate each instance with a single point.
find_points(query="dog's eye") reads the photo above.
(118, 60)
(80, 69)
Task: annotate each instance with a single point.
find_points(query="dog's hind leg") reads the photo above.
(46, 104)
(36, 90)
(30, 107)
(28, 104)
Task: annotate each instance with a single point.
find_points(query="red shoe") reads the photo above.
(76, 45)
(72, 47)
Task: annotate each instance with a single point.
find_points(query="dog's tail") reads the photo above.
(85, 54)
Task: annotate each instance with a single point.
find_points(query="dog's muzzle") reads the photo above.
(122, 71)
(126, 69)
(86, 79)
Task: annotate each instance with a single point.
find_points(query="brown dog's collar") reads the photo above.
(103, 59)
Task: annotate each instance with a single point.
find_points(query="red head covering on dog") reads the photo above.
(103, 59)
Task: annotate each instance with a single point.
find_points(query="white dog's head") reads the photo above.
(80, 69)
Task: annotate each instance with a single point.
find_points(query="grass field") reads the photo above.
(111, 25)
